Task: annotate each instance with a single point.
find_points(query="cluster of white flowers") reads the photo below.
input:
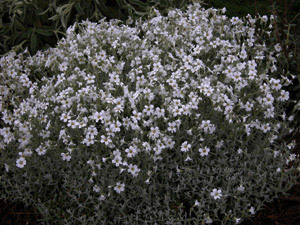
(124, 92)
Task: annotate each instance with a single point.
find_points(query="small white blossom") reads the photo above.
(96, 188)
(204, 151)
(241, 188)
(196, 203)
(252, 210)
(185, 146)
(41, 150)
(216, 193)
(120, 187)
(133, 169)
(6, 167)
(154, 132)
(21, 162)
(66, 157)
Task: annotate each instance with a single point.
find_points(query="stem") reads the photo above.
(288, 35)
(295, 17)
(285, 12)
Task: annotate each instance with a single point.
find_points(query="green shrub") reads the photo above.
(175, 120)
(39, 24)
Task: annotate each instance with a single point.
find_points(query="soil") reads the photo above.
(282, 211)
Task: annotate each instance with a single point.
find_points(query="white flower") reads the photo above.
(207, 219)
(292, 157)
(216, 193)
(252, 210)
(115, 127)
(265, 127)
(269, 99)
(102, 198)
(131, 151)
(147, 181)
(133, 169)
(204, 151)
(172, 127)
(117, 160)
(88, 140)
(6, 167)
(119, 187)
(219, 144)
(207, 126)
(154, 133)
(136, 115)
(196, 203)
(105, 140)
(159, 112)
(92, 131)
(277, 47)
(284, 95)
(126, 122)
(235, 20)
(41, 150)
(185, 147)
(25, 81)
(275, 84)
(66, 156)
(21, 162)
(73, 124)
(148, 110)
(63, 66)
(241, 188)
(237, 220)
(248, 106)
(96, 188)
(188, 158)
(98, 116)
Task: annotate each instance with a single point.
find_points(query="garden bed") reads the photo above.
(187, 142)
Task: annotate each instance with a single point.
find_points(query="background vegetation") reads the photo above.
(38, 24)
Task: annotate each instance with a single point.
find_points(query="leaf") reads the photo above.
(138, 3)
(33, 43)
(55, 17)
(78, 8)
(22, 35)
(44, 32)
(43, 13)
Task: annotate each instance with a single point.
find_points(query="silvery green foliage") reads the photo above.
(176, 120)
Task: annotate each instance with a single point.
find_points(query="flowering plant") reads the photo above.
(174, 120)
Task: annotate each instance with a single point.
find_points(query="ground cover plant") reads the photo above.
(174, 120)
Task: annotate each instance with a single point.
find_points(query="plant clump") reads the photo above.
(173, 120)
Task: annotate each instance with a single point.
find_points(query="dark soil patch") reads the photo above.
(282, 211)
(17, 214)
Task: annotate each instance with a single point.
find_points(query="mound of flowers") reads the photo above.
(173, 120)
